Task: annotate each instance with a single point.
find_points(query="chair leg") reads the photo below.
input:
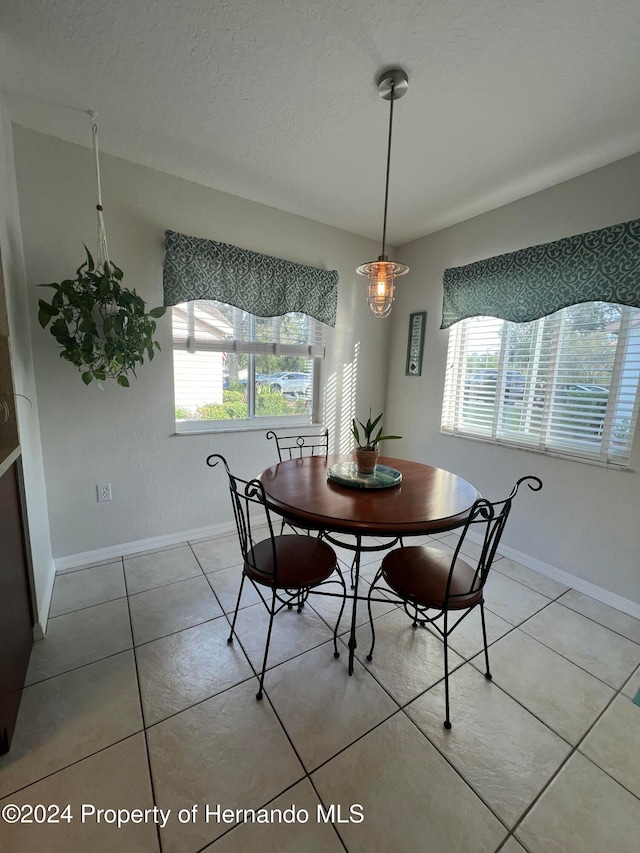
(484, 637)
(336, 653)
(235, 612)
(373, 630)
(376, 578)
(268, 642)
(447, 721)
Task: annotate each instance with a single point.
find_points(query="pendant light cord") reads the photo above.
(386, 189)
(103, 252)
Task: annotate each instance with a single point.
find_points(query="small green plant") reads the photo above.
(367, 441)
(102, 327)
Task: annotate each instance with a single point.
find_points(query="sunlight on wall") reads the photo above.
(340, 404)
(329, 410)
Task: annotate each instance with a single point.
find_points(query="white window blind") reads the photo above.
(230, 365)
(210, 326)
(567, 383)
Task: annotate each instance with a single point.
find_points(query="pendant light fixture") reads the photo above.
(382, 273)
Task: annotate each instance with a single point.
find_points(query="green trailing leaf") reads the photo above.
(87, 325)
(47, 309)
(102, 328)
(89, 262)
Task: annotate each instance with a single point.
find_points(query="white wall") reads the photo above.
(160, 482)
(586, 519)
(24, 379)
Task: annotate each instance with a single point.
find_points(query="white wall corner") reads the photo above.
(33, 482)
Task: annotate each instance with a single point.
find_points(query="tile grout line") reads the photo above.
(595, 621)
(71, 764)
(142, 713)
(457, 771)
(511, 832)
(572, 748)
(265, 689)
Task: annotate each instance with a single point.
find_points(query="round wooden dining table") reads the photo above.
(427, 500)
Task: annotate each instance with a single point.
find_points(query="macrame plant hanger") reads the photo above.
(102, 257)
(102, 328)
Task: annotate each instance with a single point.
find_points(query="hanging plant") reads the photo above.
(102, 327)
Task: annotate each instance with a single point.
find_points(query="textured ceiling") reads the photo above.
(276, 100)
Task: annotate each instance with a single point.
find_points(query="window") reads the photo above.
(565, 384)
(233, 369)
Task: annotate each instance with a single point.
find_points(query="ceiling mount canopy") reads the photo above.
(392, 85)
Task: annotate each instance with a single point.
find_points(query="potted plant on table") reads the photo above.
(367, 451)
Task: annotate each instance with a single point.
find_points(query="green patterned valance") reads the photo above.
(262, 285)
(598, 266)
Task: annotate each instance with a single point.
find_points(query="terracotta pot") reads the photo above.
(366, 460)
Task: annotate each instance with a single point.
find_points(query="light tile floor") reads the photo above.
(135, 701)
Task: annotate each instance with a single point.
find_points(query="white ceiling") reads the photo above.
(276, 100)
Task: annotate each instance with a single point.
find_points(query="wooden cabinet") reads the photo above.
(16, 618)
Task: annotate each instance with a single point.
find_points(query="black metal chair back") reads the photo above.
(297, 446)
(252, 517)
(488, 519)
(430, 583)
(283, 569)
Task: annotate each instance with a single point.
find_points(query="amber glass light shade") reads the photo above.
(381, 274)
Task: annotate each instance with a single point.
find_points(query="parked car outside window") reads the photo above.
(290, 383)
(482, 384)
(261, 380)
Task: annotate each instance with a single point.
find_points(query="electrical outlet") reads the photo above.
(104, 491)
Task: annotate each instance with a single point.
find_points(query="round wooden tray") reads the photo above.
(347, 474)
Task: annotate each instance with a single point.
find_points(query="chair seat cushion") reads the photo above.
(303, 561)
(420, 573)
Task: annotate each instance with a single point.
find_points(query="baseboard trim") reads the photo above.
(114, 552)
(126, 549)
(604, 596)
(40, 627)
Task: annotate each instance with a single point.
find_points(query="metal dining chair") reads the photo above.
(297, 446)
(428, 580)
(284, 569)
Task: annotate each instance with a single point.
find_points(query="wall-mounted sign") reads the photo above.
(415, 345)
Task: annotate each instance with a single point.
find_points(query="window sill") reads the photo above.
(267, 424)
(552, 454)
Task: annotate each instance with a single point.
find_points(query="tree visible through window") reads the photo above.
(567, 383)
